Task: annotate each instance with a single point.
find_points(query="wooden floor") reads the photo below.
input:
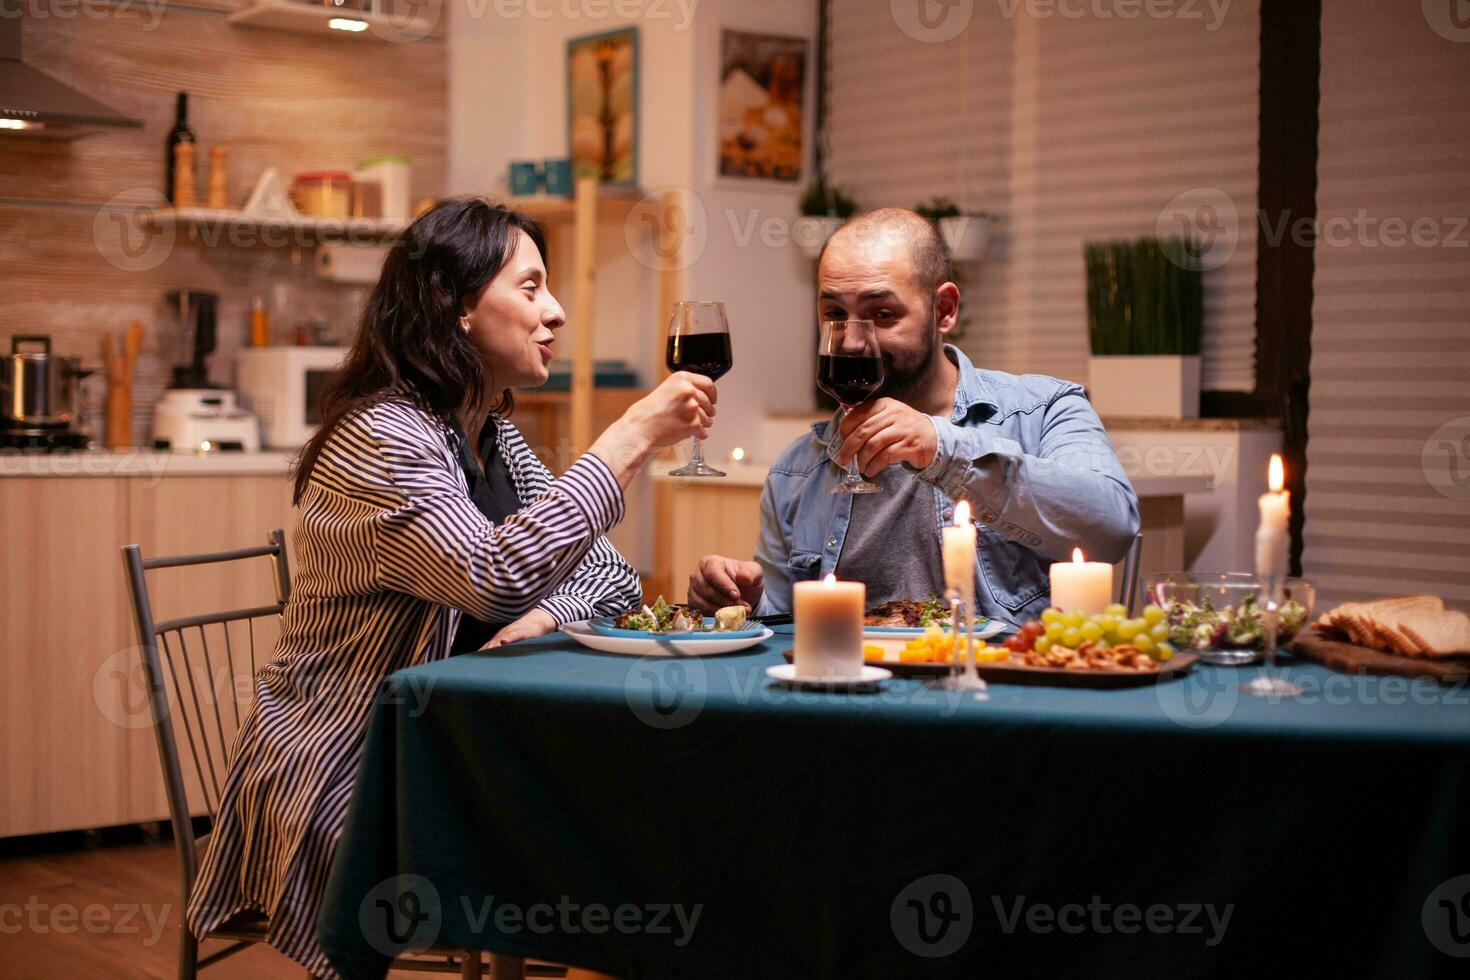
(109, 911)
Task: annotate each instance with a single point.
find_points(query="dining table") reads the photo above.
(669, 816)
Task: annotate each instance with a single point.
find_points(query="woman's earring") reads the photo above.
(464, 323)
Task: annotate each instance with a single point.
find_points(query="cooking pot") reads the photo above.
(38, 387)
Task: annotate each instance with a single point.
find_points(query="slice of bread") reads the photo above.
(1411, 626)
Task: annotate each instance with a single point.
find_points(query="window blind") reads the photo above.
(1388, 458)
(1073, 130)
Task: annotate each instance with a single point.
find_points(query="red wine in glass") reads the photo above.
(699, 342)
(700, 353)
(850, 369)
(850, 380)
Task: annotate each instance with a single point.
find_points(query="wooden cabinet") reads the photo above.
(76, 746)
(545, 421)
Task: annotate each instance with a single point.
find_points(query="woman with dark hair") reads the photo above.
(426, 526)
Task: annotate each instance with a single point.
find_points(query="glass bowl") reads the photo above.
(1215, 615)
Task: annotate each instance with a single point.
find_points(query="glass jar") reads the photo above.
(323, 194)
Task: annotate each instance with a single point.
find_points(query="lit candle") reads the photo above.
(828, 620)
(1272, 536)
(1084, 585)
(959, 552)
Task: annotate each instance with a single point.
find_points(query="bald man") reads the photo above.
(1028, 452)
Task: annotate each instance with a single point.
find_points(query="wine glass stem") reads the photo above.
(696, 455)
(853, 478)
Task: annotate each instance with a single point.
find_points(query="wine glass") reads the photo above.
(699, 342)
(850, 369)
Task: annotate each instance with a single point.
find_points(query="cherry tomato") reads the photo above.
(1019, 643)
(1034, 628)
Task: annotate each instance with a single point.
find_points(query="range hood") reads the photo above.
(32, 103)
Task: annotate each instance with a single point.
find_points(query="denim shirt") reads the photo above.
(1029, 454)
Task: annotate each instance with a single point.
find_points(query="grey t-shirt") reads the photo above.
(891, 544)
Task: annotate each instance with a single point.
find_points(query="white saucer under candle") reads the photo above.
(827, 618)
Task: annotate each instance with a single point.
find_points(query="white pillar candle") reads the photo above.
(959, 552)
(1083, 585)
(828, 620)
(1272, 534)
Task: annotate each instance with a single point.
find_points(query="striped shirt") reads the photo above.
(389, 550)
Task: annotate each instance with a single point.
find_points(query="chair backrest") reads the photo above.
(1128, 580)
(194, 674)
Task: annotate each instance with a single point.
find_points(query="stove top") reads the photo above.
(42, 440)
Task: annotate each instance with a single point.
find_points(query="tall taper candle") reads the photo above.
(1272, 536)
(959, 552)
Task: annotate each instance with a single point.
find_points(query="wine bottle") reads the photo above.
(181, 133)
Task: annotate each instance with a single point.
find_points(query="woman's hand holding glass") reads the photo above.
(682, 407)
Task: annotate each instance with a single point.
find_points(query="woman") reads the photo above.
(394, 545)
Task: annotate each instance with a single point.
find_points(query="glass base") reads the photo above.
(962, 683)
(696, 467)
(862, 486)
(1271, 687)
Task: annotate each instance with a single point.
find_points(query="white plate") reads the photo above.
(867, 681)
(638, 647)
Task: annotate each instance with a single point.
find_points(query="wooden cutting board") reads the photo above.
(1353, 659)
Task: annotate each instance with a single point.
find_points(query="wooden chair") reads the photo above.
(1128, 580)
(209, 731)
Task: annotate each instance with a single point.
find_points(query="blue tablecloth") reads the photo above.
(687, 818)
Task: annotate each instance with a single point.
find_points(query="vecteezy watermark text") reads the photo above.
(933, 916)
(96, 919)
(570, 918)
(622, 10)
(406, 912)
(149, 11)
(1105, 918)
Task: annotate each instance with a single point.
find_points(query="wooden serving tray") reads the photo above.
(1353, 659)
(1004, 672)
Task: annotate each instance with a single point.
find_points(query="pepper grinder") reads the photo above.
(219, 182)
(119, 370)
(184, 175)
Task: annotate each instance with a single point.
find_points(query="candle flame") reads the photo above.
(1278, 473)
(962, 513)
(830, 580)
(737, 454)
(1077, 556)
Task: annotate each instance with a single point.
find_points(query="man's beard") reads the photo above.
(904, 383)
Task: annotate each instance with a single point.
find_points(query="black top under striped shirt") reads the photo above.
(388, 551)
(494, 495)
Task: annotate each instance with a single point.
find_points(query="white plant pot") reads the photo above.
(967, 235)
(1152, 386)
(811, 233)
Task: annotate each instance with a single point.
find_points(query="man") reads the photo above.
(1028, 452)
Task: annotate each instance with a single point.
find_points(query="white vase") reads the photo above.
(810, 233)
(967, 235)
(1153, 386)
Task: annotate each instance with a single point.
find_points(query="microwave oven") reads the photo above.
(283, 387)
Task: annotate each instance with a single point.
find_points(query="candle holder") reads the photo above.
(963, 677)
(1268, 685)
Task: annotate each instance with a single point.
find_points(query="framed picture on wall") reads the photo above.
(602, 106)
(762, 89)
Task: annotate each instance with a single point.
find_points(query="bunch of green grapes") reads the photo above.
(1149, 633)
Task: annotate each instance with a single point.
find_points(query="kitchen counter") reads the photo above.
(754, 475)
(140, 462)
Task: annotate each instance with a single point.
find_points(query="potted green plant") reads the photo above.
(1145, 308)
(966, 233)
(824, 207)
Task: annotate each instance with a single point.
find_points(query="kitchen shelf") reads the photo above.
(220, 220)
(304, 18)
(610, 207)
